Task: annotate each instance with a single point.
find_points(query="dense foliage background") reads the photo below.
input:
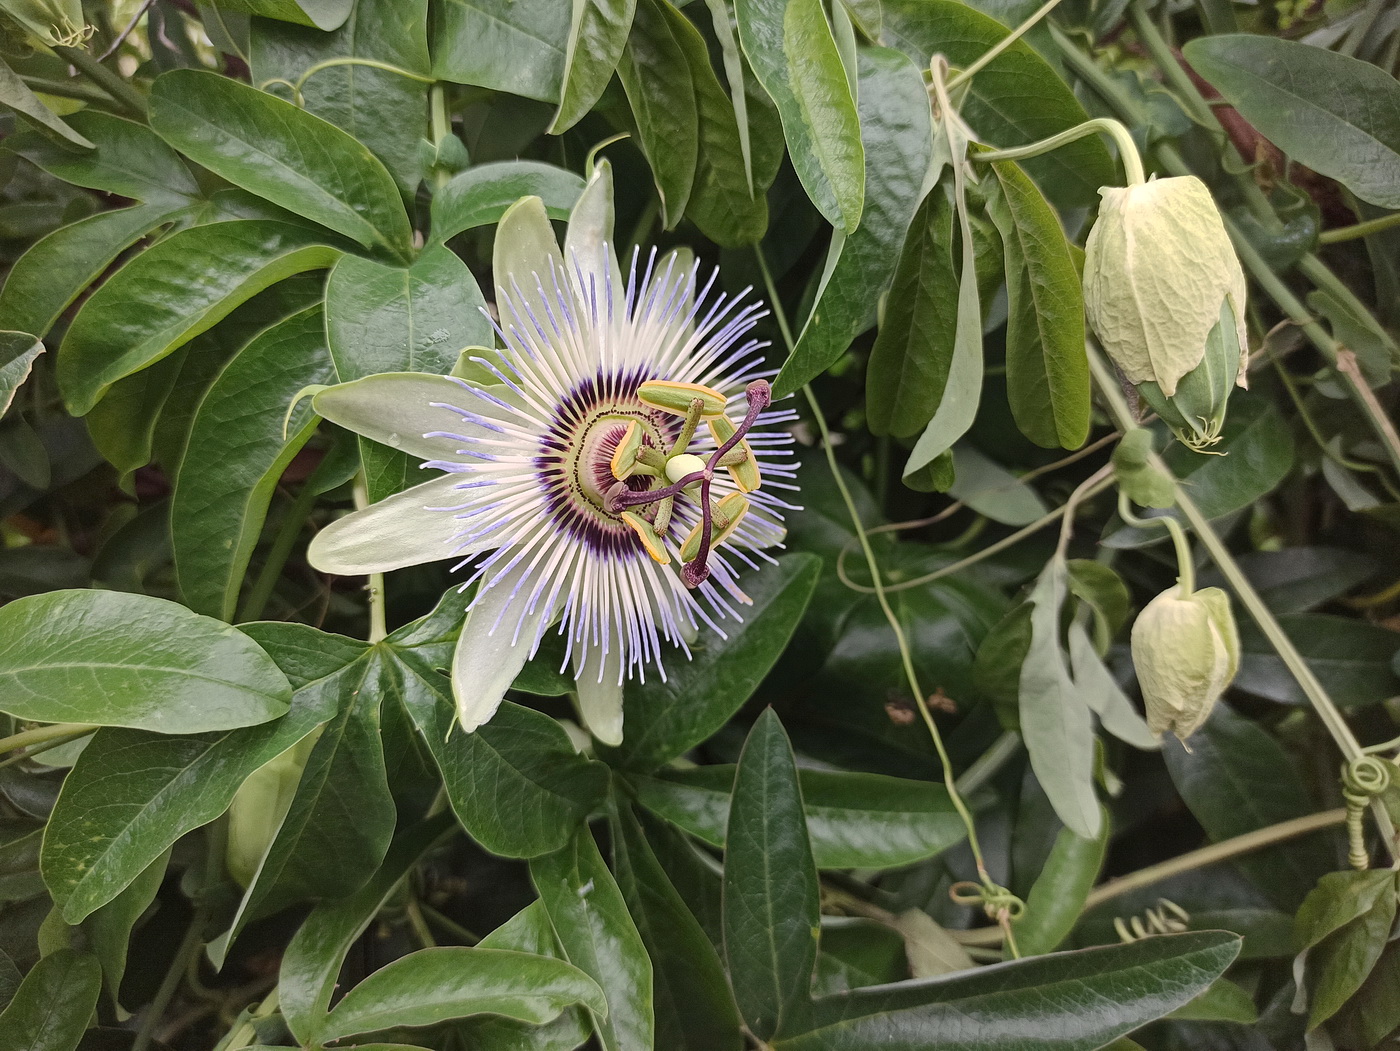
(206, 209)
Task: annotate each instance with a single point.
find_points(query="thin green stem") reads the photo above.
(350, 60)
(378, 625)
(1185, 567)
(68, 89)
(985, 767)
(977, 556)
(125, 96)
(1213, 854)
(1001, 45)
(906, 656)
(278, 553)
(1363, 229)
(1127, 148)
(60, 732)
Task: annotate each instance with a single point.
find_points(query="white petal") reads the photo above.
(496, 641)
(588, 253)
(397, 532)
(397, 409)
(600, 701)
(526, 255)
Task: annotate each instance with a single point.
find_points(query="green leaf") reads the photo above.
(130, 160)
(17, 353)
(1224, 1001)
(591, 922)
(516, 783)
(1338, 899)
(1057, 897)
(342, 807)
(991, 490)
(169, 294)
(323, 14)
(403, 319)
(793, 54)
(15, 95)
(913, 350)
(386, 111)
(58, 267)
(517, 46)
(1047, 370)
(53, 1005)
(1238, 779)
(1352, 659)
(1339, 966)
(236, 453)
(1259, 453)
(854, 820)
(312, 961)
(1334, 113)
(694, 1008)
(667, 719)
(721, 202)
(479, 196)
(115, 659)
(108, 930)
(281, 153)
(656, 77)
(771, 898)
(132, 793)
(122, 425)
(527, 931)
(1055, 720)
(434, 985)
(597, 34)
(1085, 999)
(898, 145)
(1016, 99)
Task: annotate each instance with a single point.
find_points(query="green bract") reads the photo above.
(1158, 271)
(1186, 650)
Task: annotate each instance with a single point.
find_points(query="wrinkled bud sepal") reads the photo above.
(1196, 412)
(676, 398)
(744, 470)
(1186, 650)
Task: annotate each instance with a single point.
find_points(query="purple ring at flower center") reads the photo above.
(574, 463)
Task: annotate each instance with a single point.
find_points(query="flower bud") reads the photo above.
(258, 808)
(1159, 275)
(1196, 412)
(1186, 651)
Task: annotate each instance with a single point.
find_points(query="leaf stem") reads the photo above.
(1005, 42)
(277, 554)
(125, 96)
(58, 732)
(68, 89)
(906, 657)
(1114, 129)
(378, 625)
(1363, 229)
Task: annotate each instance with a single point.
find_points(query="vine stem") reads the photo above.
(1114, 129)
(278, 553)
(1004, 43)
(906, 657)
(1363, 229)
(1213, 854)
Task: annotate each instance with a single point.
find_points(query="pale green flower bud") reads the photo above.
(259, 806)
(1186, 650)
(50, 21)
(1159, 274)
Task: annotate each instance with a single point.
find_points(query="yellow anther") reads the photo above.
(624, 457)
(653, 543)
(676, 398)
(745, 473)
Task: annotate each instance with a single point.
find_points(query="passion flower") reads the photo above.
(607, 481)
